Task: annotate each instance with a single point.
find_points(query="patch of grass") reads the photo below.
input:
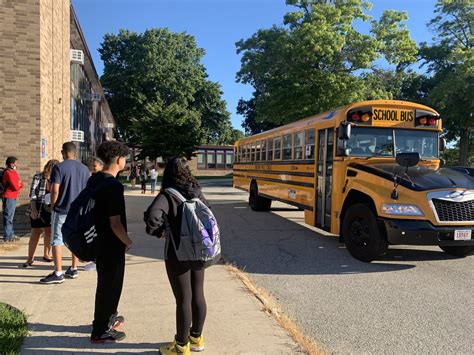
(13, 328)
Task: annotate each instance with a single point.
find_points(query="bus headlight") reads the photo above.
(401, 210)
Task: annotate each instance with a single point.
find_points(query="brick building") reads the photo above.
(49, 89)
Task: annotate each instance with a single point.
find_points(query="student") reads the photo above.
(143, 176)
(153, 178)
(12, 186)
(68, 179)
(186, 277)
(112, 242)
(40, 213)
(133, 175)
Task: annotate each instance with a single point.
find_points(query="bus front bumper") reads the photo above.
(423, 233)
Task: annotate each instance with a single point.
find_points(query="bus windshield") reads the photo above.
(386, 142)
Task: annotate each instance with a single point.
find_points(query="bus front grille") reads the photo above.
(450, 211)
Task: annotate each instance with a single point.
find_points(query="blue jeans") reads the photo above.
(9, 206)
(153, 186)
(57, 221)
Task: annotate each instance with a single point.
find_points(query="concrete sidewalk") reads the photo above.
(59, 316)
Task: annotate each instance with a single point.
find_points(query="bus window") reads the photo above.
(287, 147)
(246, 151)
(258, 151)
(309, 144)
(252, 152)
(264, 150)
(270, 150)
(298, 145)
(277, 145)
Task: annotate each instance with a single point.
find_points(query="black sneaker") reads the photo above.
(70, 273)
(110, 336)
(52, 279)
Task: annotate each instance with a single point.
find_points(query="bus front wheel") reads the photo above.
(256, 202)
(459, 251)
(363, 237)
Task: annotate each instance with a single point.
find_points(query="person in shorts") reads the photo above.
(112, 242)
(68, 179)
(40, 213)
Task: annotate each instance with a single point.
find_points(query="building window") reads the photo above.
(201, 163)
(309, 144)
(229, 160)
(277, 145)
(287, 147)
(298, 145)
(220, 155)
(211, 159)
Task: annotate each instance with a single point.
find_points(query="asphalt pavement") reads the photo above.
(415, 300)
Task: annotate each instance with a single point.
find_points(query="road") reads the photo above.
(413, 300)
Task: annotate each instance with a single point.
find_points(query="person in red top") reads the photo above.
(12, 186)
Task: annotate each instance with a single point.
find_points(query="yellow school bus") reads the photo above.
(369, 172)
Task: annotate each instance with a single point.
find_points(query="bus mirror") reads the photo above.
(344, 131)
(442, 144)
(407, 160)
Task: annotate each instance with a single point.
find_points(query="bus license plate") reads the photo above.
(462, 235)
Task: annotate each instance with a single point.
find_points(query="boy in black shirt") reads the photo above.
(112, 242)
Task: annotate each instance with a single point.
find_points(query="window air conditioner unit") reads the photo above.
(77, 56)
(77, 136)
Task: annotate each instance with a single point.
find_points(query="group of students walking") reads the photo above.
(52, 193)
(142, 174)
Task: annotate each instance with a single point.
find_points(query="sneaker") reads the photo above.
(52, 279)
(13, 239)
(117, 321)
(196, 344)
(174, 348)
(70, 273)
(110, 336)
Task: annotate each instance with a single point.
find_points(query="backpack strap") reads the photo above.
(176, 194)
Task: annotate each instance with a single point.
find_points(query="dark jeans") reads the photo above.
(187, 284)
(9, 206)
(110, 273)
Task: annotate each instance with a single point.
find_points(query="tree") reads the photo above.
(250, 125)
(318, 61)
(159, 93)
(450, 62)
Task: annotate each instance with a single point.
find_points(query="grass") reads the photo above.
(13, 328)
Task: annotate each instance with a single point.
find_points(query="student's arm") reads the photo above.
(119, 231)
(154, 216)
(54, 194)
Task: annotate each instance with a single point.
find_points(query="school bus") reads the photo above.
(369, 172)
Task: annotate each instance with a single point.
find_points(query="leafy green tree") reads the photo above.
(159, 93)
(246, 108)
(317, 60)
(450, 63)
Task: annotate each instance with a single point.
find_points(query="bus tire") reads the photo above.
(362, 234)
(256, 202)
(459, 251)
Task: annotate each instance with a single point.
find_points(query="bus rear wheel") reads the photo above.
(363, 237)
(459, 251)
(256, 202)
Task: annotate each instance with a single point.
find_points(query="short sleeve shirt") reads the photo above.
(72, 177)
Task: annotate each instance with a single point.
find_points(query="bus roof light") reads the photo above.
(432, 121)
(422, 121)
(355, 116)
(365, 117)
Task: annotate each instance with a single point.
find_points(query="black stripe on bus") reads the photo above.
(296, 204)
(275, 172)
(385, 175)
(295, 183)
(277, 162)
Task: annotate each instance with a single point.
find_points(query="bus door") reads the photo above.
(324, 167)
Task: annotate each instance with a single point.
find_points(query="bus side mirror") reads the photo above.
(407, 160)
(344, 131)
(442, 144)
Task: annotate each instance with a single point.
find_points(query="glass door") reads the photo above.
(324, 167)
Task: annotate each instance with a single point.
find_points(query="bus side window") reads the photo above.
(309, 144)
(287, 147)
(252, 152)
(258, 151)
(298, 146)
(277, 145)
(270, 149)
(264, 150)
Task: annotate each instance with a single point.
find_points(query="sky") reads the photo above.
(216, 25)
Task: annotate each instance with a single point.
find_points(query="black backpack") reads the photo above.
(79, 231)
